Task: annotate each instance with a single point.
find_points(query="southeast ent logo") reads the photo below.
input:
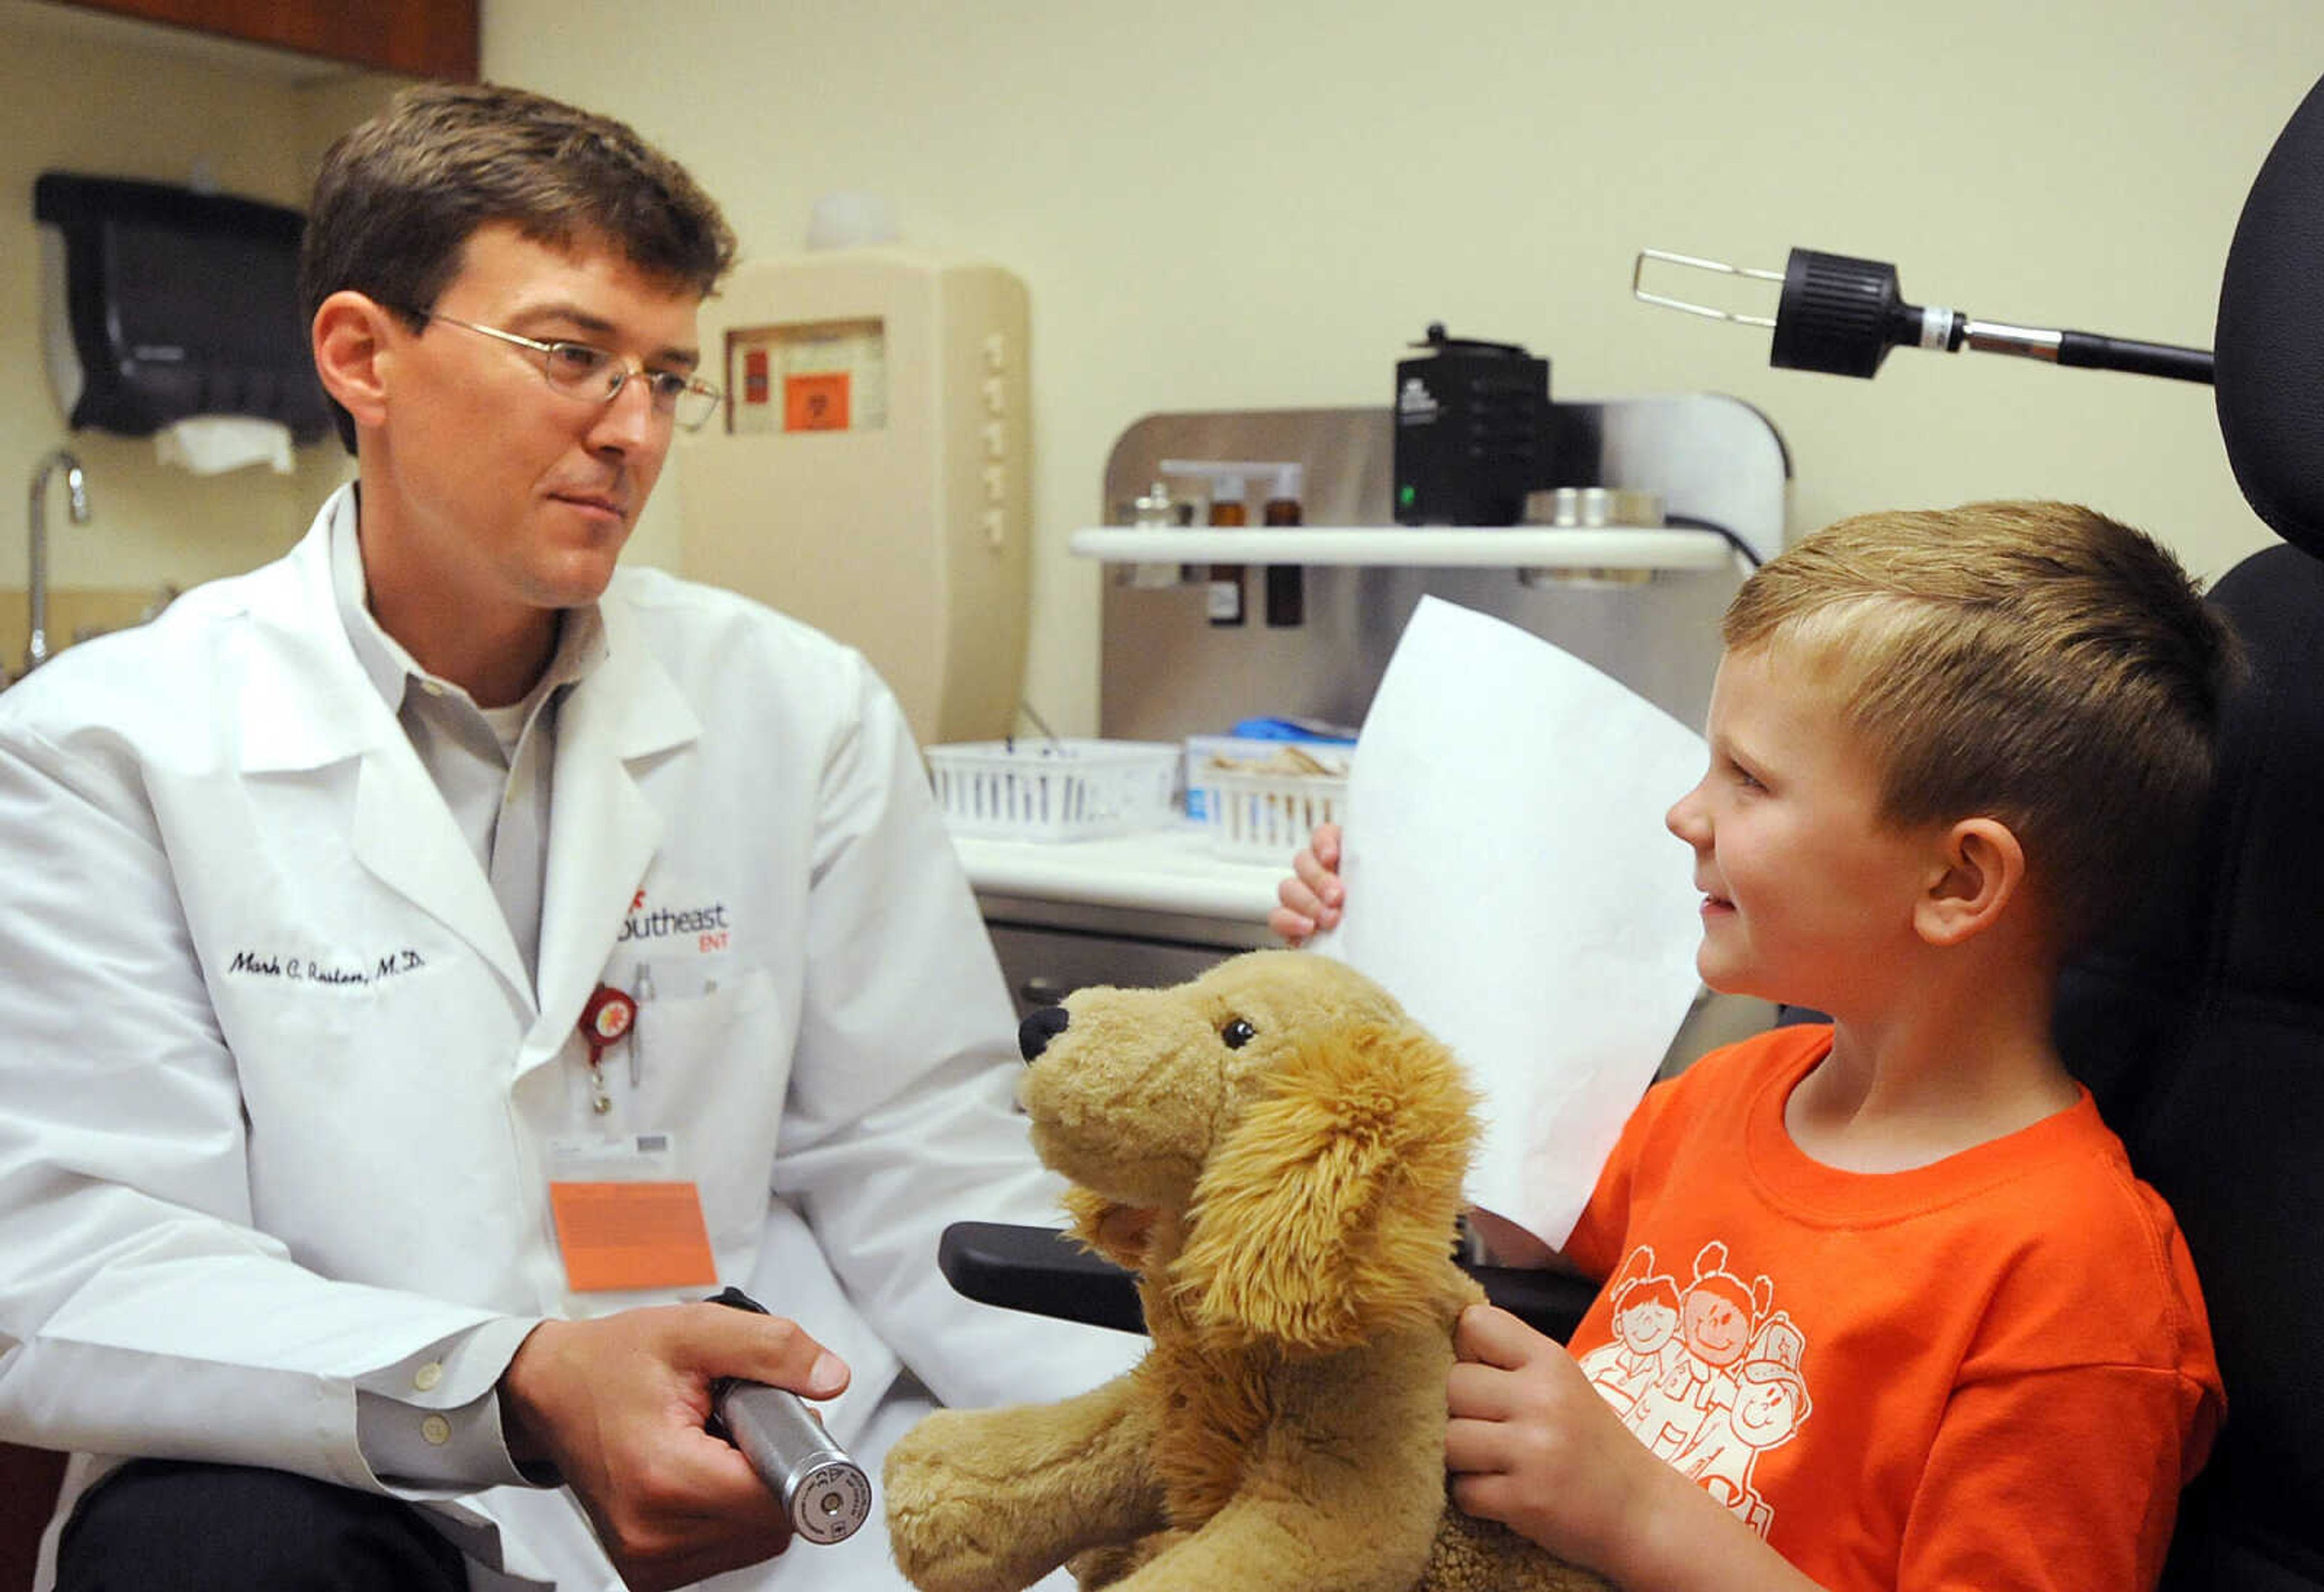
(706, 925)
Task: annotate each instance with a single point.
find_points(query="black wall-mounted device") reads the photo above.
(174, 303)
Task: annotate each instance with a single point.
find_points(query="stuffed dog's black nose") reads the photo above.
(1034, 1034)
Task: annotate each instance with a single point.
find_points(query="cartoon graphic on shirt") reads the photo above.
(1647, 1348)
(1707, 1375)
(1771, 1400)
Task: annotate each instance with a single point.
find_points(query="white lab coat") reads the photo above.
(274, 1089)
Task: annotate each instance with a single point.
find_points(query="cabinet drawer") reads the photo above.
(1043, 966)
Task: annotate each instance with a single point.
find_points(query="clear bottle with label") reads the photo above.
(1155, 512)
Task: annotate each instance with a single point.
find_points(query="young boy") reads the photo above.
(1931, 1331)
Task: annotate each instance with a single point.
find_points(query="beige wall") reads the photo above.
(104, 98)
(1252, 205)
(1224, 204)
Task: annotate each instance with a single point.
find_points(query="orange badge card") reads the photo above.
(632, 1235)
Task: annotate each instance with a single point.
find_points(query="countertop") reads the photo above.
(1171, 870)
(1170, 879)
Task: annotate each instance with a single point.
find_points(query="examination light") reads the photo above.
(1841, 315)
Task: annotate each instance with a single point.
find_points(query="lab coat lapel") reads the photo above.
(406, 836)
(401, 829)
(602, 830)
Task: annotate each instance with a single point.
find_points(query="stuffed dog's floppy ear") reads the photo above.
(1326, 1216)
(1093, 1220)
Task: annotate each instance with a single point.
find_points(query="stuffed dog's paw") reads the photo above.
(951, 1529)
(992, 1500)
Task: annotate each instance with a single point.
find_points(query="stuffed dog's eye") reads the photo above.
(1238, 1033)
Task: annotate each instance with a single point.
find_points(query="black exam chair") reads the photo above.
(1040, 1271)
(2200, 1028)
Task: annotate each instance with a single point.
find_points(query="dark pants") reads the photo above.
(162, 1523)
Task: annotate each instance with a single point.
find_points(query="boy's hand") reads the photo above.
(1531, 1444)
(1313, 897)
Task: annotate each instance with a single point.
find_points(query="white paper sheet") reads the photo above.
(1510, 881)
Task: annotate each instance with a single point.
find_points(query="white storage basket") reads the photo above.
(1209, 756)
(1069, 790)
(1268, 817)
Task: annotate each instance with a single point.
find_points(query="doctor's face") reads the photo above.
(502, 493)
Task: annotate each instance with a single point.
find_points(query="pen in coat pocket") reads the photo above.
(644, 993)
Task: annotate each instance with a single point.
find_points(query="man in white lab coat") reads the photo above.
(433, 963)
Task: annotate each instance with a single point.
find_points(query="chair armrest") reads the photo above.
(1044, 1273)
(1552, 1303)
(1039, 1270)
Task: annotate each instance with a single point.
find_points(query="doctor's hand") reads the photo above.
(619, 1405)
(1312, 897)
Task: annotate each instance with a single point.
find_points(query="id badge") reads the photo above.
(625, 1218)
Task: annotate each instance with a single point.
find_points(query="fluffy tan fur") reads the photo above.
(1303, 1143)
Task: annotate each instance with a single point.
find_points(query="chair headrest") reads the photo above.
(2269, 347)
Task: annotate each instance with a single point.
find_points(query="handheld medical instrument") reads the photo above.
(825, 1492)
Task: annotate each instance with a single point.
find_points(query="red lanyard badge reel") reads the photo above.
(606, 1018)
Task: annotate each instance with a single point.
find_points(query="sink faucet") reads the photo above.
(36, 649)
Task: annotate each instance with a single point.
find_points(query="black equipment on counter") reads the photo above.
(1472, 431)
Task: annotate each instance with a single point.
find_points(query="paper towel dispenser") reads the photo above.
(163, 303)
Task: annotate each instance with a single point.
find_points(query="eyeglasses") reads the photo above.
(597, 376)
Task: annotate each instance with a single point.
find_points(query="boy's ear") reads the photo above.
(350, 345)
(1982, 870)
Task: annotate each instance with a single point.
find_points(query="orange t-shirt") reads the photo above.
(1992, 1373)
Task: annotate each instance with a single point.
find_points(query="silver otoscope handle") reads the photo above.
(825, 1492)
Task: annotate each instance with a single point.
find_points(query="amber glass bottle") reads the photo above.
(1223, 602)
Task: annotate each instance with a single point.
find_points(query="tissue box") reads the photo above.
(1208, 757)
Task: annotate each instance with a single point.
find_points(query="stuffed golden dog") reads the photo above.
(1300, 1144)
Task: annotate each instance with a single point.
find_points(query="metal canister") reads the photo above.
(825, 1492)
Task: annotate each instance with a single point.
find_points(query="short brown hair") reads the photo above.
(2036, 663)
(398, 197)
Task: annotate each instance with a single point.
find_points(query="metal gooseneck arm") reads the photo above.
(36, 647)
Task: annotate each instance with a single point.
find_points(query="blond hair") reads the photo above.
(2034, 662)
